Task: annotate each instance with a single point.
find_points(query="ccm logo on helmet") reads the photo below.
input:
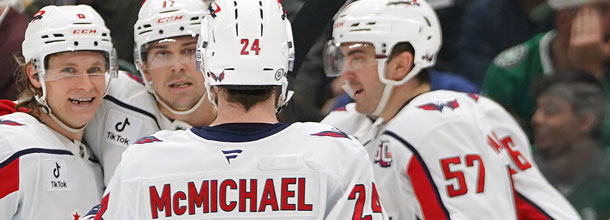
(84, 31)
(169, 19)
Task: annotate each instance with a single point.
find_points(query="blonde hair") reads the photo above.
(25, 90)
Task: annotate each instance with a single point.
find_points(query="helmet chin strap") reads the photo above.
(47, 110)
(385, 96)
(180, 112)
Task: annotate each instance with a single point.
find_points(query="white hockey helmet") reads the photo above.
(56, 29)
(385, 23)
(163, 19)
(247, 44)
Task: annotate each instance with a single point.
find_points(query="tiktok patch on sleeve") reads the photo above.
(121, 128)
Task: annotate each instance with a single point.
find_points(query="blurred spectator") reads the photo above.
(450, 13)
(579, 41)
(491, 26)
(567, 128)
(12, 29)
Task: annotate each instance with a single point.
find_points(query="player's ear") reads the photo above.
(400, 66)
(33, 75)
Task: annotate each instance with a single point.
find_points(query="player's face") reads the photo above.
(555, 124)
(171, 70)
(360, 70)
(75, 84)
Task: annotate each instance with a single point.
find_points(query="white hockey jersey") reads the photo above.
(431, 125)
(244, 171)
(127, 113)
(43, 174)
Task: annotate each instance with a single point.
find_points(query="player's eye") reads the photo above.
(189, 51)
(162, 53)
(68, 70)
(95, 69)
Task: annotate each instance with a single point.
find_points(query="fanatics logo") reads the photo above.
(231, 154)
(439, 107)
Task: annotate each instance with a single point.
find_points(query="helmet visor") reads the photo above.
(348, 56)
(90, 63)
(168, 53)
(73, 65)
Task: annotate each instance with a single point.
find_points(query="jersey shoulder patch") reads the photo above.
(10, 122)
(439, 106)
(135, 77)
(511, 56)
(148, 139)
(336, 133)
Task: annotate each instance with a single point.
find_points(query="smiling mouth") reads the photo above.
(81, 101)
(358, 91)
(180, 85)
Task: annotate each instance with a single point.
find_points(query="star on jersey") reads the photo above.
(9, 122)
(439, 107)
(336, 134)
(147, 139)
(76, 216)
(231, 154)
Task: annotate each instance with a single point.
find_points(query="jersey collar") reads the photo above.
(239, 132)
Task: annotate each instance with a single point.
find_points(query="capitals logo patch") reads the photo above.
(383, 157)
(216, 78)
(10, 123)
(440, 106)
(335, 134)
(147, 139)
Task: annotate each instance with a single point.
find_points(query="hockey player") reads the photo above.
(46, 172)
(437, 154)
(172, 94)
(246, 164)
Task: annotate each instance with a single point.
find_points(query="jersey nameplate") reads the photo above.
(121, 128)
(56, 175)
(233, 195)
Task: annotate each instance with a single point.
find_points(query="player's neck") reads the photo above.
(47, 120)
(202, 116)
(228, 112)
(402, 94)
